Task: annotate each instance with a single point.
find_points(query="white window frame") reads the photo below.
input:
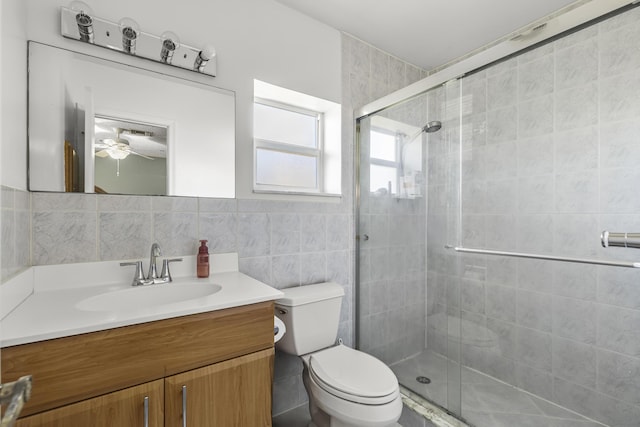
(283, 147)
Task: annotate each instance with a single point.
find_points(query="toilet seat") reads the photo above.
(353, 375)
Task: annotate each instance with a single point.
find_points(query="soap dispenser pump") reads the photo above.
(203, 260)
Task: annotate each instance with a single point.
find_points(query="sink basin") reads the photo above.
(147, 296)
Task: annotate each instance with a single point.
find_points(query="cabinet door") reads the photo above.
(234, 393)
(125, 408)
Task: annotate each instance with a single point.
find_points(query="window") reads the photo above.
(384, 162)
(395, 159)
(288, 147)
(297, 147)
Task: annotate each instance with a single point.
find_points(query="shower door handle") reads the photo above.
(364, 238)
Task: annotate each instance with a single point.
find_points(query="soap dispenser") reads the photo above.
(203, 259)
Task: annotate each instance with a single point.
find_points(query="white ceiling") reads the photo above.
(427, 33)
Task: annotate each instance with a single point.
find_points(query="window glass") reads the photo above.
(286, 169)
(281, 125)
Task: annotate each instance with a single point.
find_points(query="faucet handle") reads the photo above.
(166, 274)
(138, 277)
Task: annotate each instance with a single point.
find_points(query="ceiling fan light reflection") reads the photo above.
(117, 154)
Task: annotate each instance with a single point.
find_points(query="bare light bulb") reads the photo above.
(83, 20)
(170, 43)
(130, 30)
(204, 56)
(208, 52)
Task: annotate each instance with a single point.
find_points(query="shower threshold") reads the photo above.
(428, 410)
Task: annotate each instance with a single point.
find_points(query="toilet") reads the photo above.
(346, 387)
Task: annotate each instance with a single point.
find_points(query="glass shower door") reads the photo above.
(408, 209)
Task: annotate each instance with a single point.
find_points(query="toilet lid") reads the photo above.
(353, 375)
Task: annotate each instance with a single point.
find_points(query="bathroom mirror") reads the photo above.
(98, 126)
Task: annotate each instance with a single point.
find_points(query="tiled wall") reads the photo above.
(392, 278)
(16, 235)
(550, 150)
(283, 244)
(391, 261)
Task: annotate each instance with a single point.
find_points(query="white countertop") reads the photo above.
(53, 313)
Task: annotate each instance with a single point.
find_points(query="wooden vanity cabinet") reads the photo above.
(236, 392)
(224, 359)
(125, 408)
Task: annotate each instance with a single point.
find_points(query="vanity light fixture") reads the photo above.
(203, 58)
(83, 20)
(79, 23)
(170, 42)
(129, 29)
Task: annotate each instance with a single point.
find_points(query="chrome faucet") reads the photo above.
(153, 270)
(152, 277)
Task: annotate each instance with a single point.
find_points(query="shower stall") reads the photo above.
(481, 278)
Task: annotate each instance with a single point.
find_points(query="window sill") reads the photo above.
(299, 193)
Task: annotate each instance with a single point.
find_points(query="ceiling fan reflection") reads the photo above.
(114, 146)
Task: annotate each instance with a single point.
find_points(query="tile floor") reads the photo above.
(297, 417)
(486, 402)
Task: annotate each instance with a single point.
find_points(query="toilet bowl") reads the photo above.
(346, 387)
(350, 388)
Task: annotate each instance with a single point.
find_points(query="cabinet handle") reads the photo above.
(146, 411)
(184, 406)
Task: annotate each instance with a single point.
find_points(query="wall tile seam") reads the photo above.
(302, 211)
(595, 346)
(525, 289)
(595, 389)
(615, 353)
(557, 296)
(52, 211)
(125, 210)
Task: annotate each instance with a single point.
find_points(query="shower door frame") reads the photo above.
(567, 20)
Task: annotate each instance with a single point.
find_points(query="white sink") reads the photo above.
(147, 296)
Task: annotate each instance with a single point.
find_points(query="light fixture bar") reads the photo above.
(109, 35)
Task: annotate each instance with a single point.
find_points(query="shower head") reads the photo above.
(432, 126)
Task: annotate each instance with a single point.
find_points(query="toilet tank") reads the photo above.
(311, 315)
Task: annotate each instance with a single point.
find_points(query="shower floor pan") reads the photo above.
(486, 401)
